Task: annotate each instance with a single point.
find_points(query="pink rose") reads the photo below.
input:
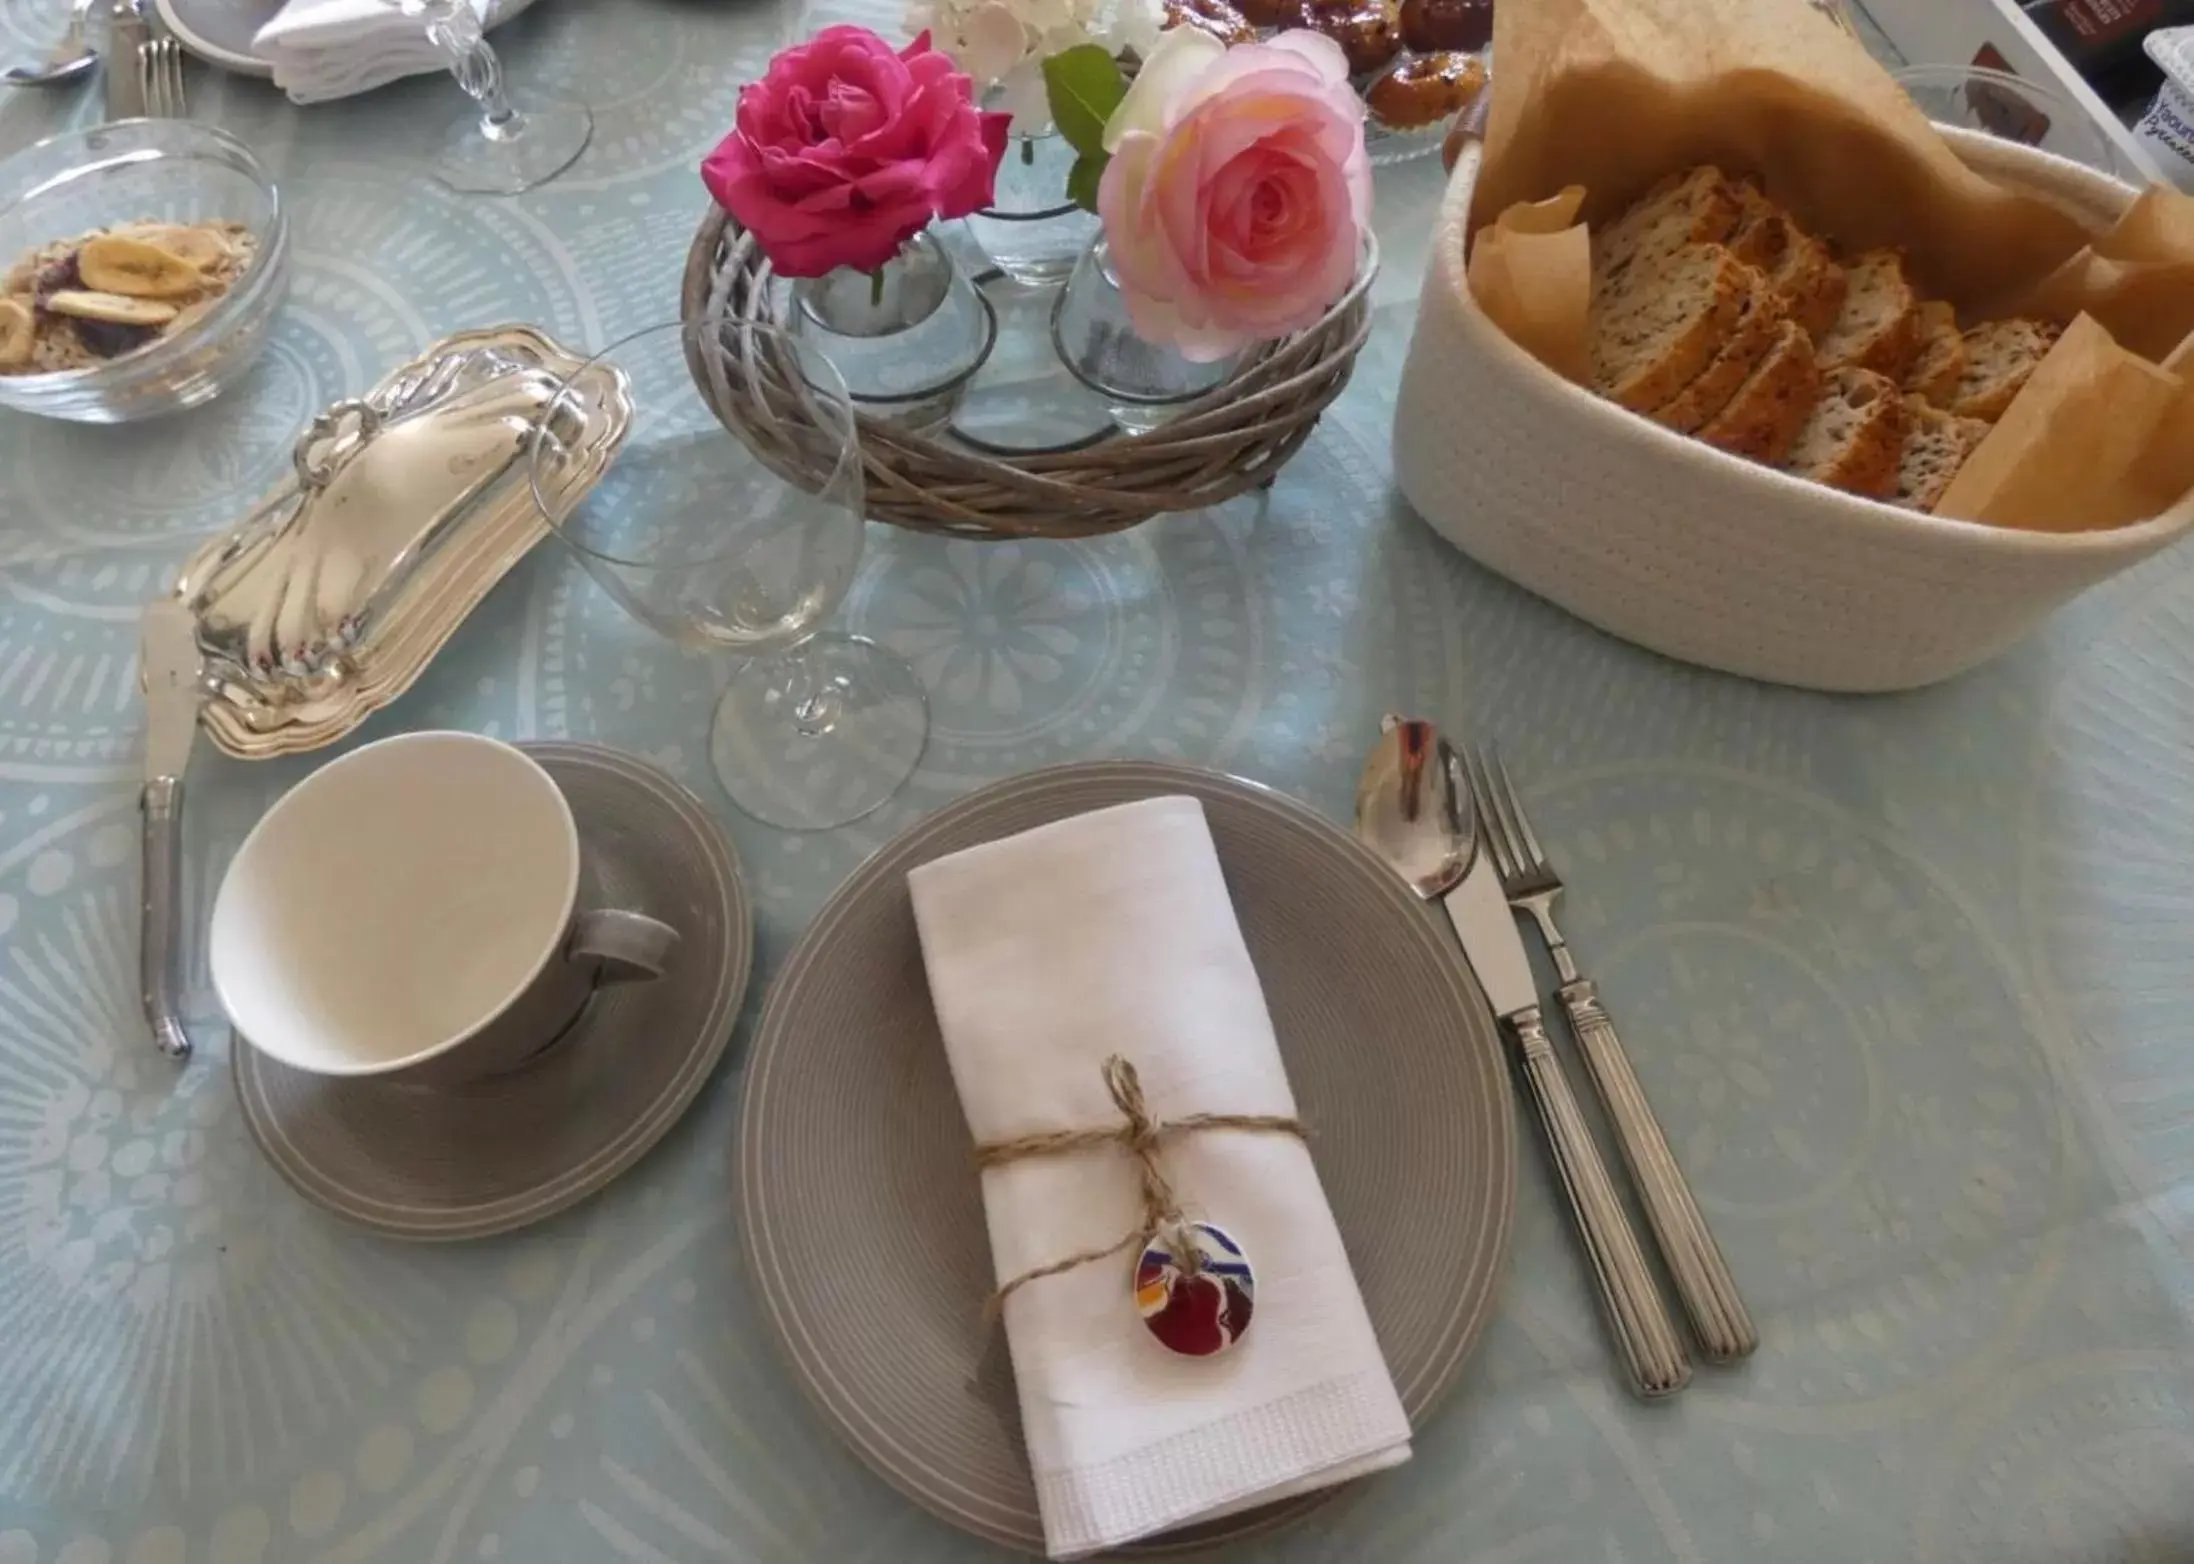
(846, 150)
(1235, 201)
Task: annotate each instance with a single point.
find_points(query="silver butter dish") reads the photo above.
(406, 506)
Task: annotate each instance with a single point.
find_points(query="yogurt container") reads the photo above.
(2167, 129)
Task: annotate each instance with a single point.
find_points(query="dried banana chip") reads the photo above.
(118, 308)
(115, 264)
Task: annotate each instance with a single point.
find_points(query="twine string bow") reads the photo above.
(1142, 1135)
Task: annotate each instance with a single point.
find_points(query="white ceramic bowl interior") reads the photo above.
(394, 902)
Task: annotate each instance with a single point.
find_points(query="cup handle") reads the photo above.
(625, 947)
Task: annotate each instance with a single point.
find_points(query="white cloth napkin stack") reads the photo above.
(325, 49)
(1047, 952)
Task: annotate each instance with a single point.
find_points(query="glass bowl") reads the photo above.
(165, 170)
(1974, 97)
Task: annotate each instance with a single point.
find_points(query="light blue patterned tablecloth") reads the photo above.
(1909, 980)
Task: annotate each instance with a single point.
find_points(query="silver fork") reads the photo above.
(160, 66)
(1695, 1262)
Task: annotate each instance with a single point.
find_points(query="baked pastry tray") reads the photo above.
(405, 506)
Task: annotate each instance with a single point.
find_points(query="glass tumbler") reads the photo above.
(705, 542)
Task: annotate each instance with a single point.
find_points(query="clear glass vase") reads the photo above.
(1030, 231)
(906, 338)
(1142, 383)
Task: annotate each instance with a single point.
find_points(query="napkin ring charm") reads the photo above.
(1193, 1285)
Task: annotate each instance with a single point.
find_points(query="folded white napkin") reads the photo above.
(1046, 953)
(324, 49)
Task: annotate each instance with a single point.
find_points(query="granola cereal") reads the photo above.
(80, 302)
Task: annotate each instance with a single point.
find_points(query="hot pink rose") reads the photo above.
(846, 150)
(1236, 198)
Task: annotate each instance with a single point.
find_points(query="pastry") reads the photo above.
(1216, 17)
(1429, 26)
(1425, 90)
(1365, 30)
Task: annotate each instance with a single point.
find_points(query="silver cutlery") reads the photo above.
(160, 60)
(1695, 1262)
(169, 654)
(1410, 811)
(127, 33)
(66, 61)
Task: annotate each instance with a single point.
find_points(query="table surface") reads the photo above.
(1908, 979)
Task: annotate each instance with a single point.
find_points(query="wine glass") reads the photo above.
(512, 146)
(703, 541)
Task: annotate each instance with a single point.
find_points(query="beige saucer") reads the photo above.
(859, 1200)
(464, 1162)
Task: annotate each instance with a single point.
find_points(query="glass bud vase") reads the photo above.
(1030, 231)
(1143, 383)
(905, 338)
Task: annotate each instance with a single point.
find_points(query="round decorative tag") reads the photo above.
(1202, 1314)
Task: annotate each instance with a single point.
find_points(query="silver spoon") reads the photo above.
(1413, 814)
(69, 59)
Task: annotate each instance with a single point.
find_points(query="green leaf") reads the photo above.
(1084, 85)
(1082, 180)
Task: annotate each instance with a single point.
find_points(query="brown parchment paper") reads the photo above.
(2137, 278)
(2063, 456)
(1612, 95)
(1531, 272)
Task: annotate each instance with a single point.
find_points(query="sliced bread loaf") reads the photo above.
(1654, 328)
(1855, 436)
(1879, 325)
(1762, 419)
(1700, 207)
(2000, 355)
(1763, 231)
(1940, 362)
(1812, 285)
(1805, 276)
(1758, 329)
(1936, 446)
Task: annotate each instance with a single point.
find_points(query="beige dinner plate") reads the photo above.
(862, 1214)
(490, 1156)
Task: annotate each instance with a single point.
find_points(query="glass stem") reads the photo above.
(815, 704)
(477, 70)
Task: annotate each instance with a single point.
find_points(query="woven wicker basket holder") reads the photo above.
(1233, 439)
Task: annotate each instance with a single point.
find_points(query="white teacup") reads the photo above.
(413, 907)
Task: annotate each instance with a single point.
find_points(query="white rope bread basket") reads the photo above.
(1667, 542)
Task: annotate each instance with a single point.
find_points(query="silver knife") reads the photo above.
(169, 654)
(127, 30)
(1652, 1353)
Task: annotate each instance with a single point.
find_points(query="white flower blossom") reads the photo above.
(1002, 44)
